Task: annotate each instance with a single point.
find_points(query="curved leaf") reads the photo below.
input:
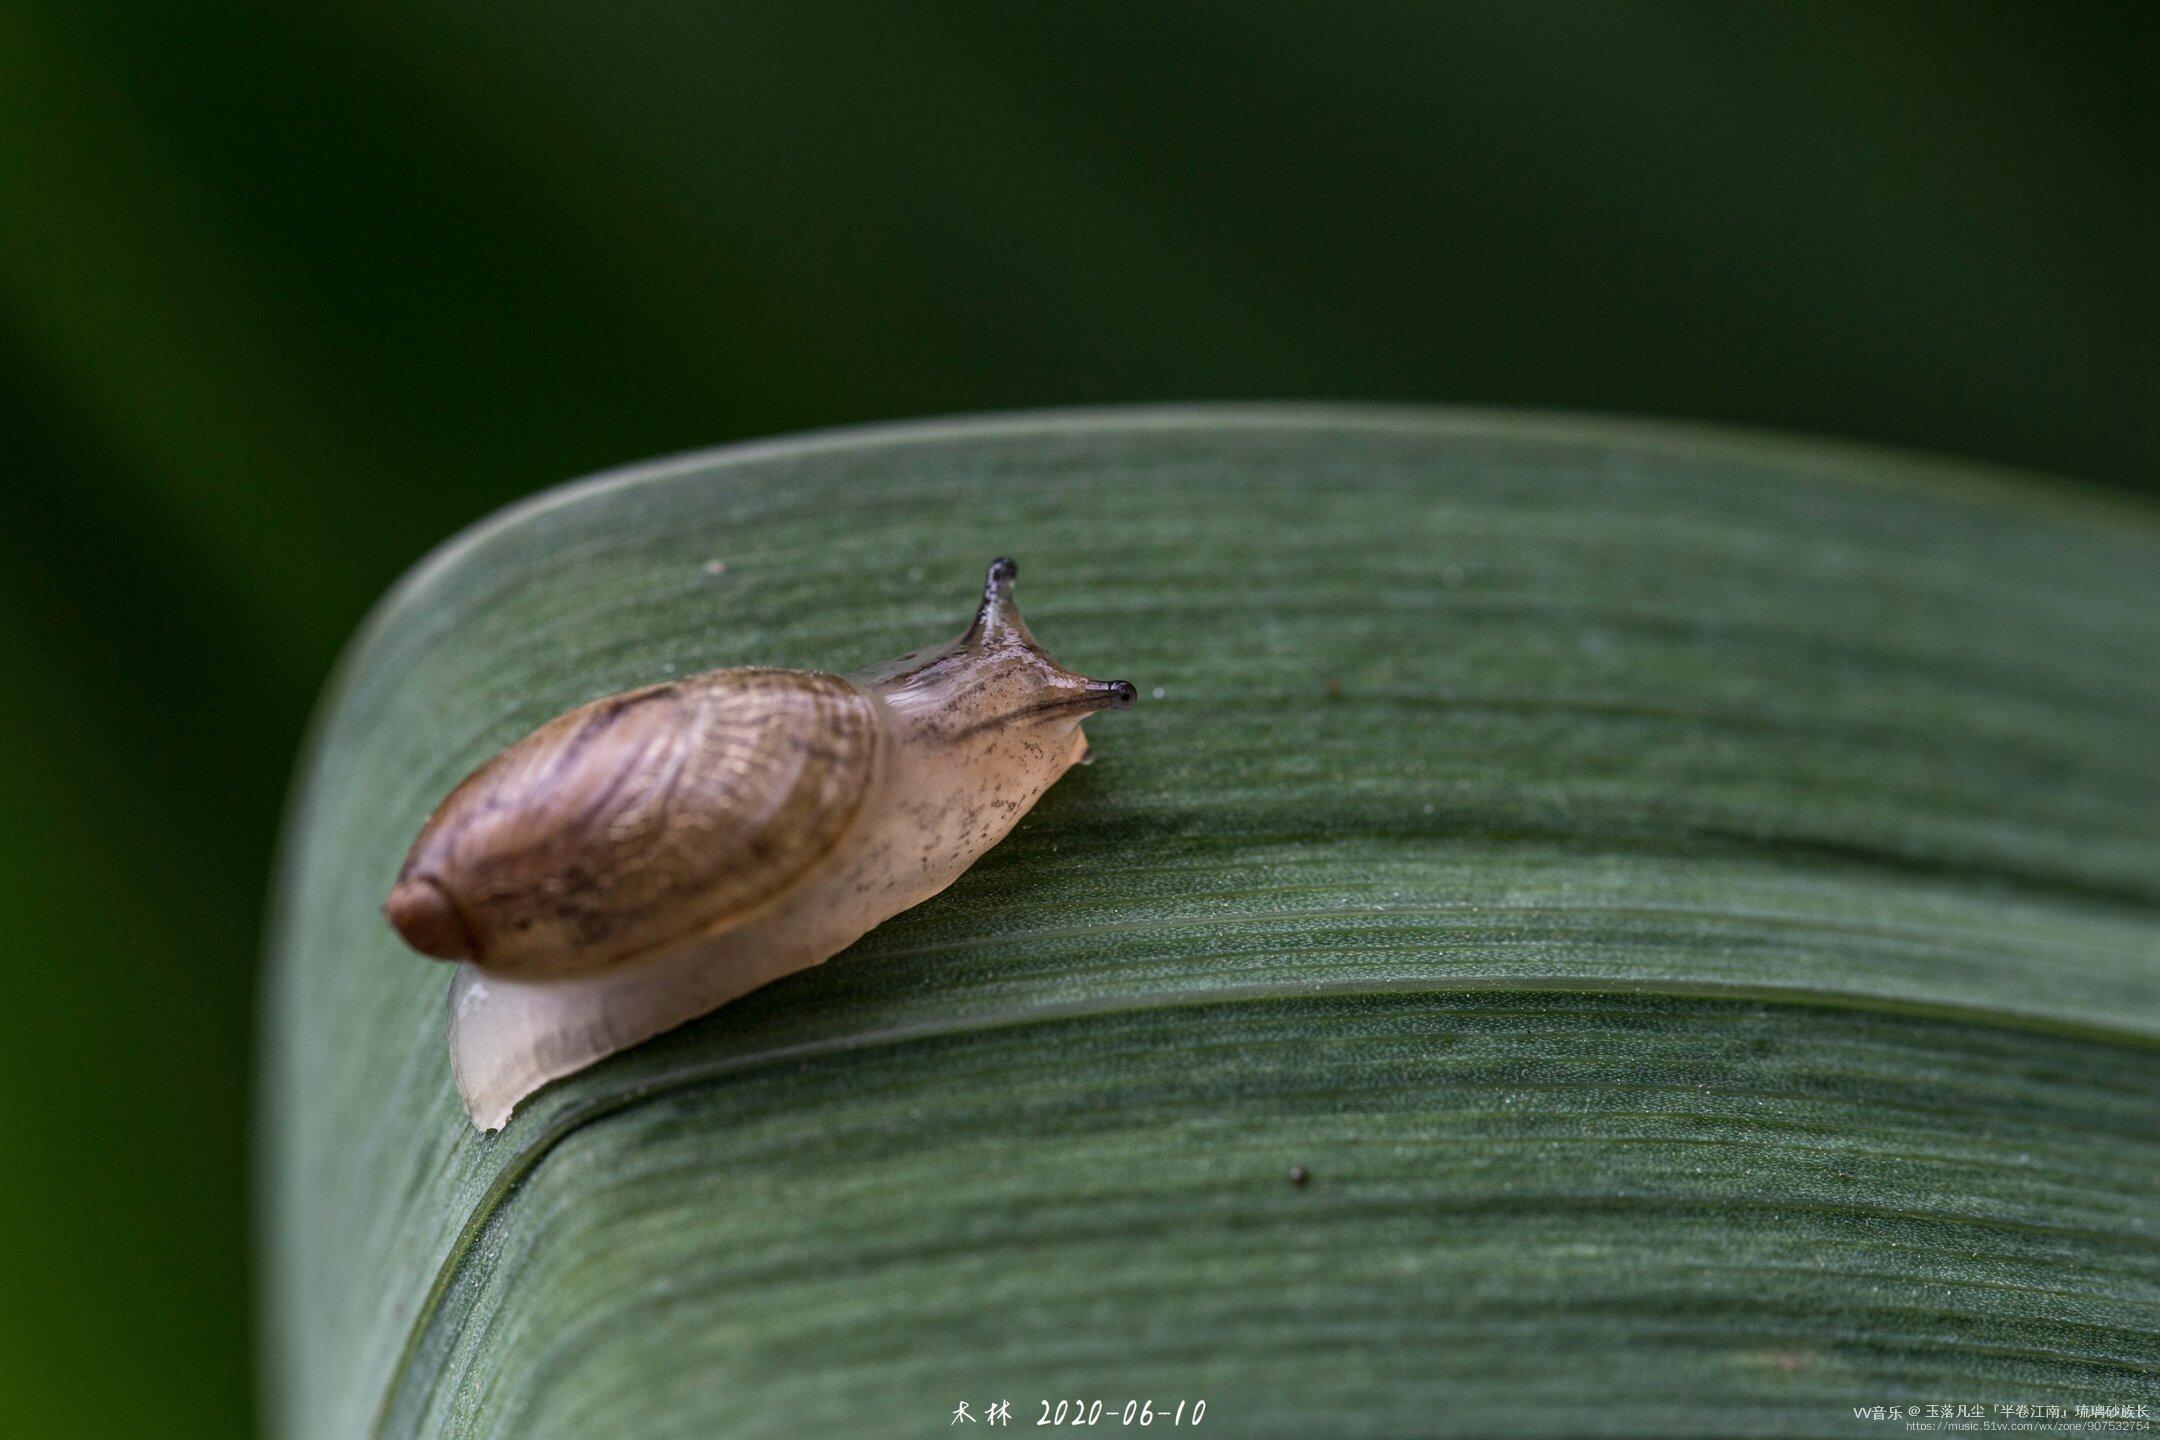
(1688, 904)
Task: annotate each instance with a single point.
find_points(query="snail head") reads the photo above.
(996, 677)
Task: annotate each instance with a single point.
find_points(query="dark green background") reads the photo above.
(289, 292)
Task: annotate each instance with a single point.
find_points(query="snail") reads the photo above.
(652, 855)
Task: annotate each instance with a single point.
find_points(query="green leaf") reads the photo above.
(1686, 902)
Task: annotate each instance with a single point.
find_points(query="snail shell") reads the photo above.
(649, 856)
(638, 820)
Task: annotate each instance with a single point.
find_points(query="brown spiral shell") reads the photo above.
(640, 819)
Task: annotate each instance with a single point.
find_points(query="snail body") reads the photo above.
(650, 856)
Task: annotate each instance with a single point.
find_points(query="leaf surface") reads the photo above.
(1689, 904)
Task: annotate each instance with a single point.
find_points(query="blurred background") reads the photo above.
(291, 291)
